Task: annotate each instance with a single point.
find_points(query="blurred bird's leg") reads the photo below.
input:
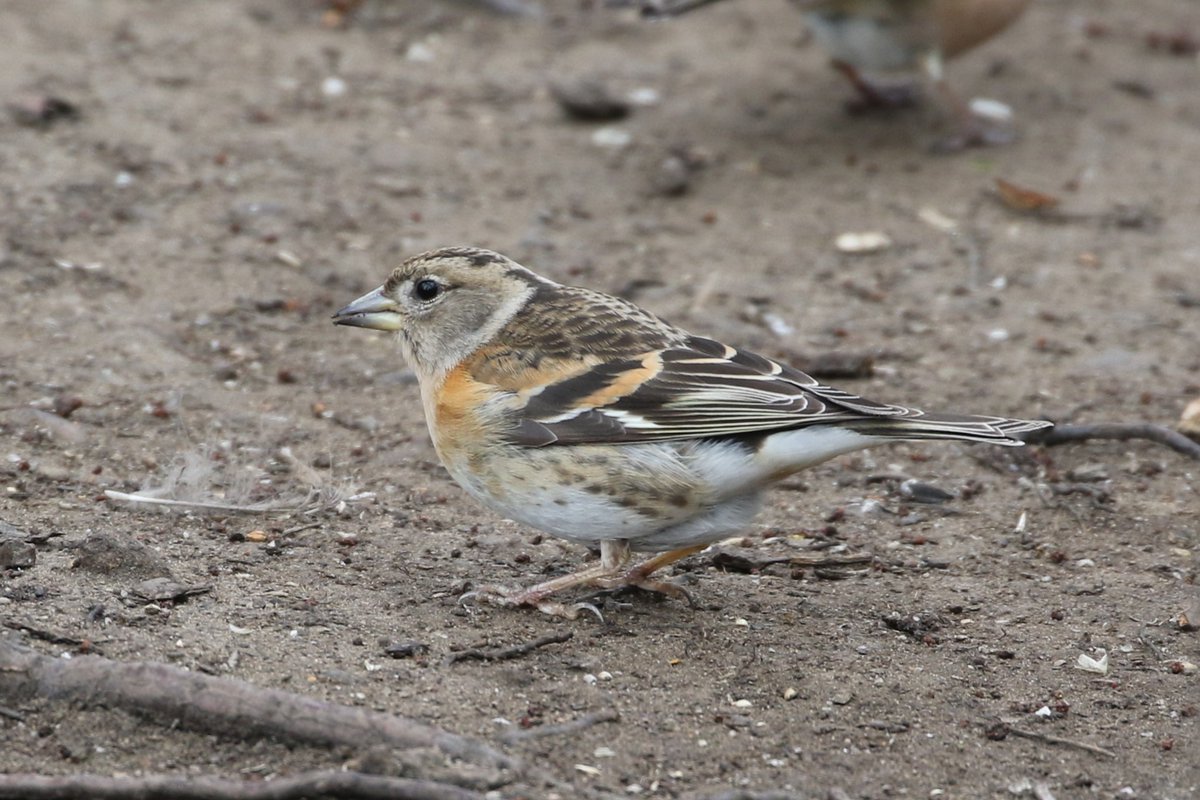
(871, 96)
(970, 129)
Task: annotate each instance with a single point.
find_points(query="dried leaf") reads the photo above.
(1020, 198)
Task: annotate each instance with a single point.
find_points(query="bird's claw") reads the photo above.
(515, 598)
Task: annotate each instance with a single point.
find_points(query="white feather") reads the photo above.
(803, 447)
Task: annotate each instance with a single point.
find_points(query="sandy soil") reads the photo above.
(171, 256)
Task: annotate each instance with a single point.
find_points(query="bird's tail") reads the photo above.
(968, 427)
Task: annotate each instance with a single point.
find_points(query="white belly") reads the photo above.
(862, 41)
(658, 496)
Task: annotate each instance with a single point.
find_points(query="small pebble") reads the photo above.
(333, 87)
(644, 96)
(992, 110)
(589, 100)
(612, 138)
(419, 53)
(16, 554)
(864, 242)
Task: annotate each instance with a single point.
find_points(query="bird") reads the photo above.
(914, 35)
(584, 416)
(895, 35)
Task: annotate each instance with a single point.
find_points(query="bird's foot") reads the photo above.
(532, 597)
(973, 132)
(613, 572)
(873, 97)
(633, 580)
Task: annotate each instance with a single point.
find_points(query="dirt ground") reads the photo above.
(236, 171)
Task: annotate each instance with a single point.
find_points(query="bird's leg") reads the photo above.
(639, 575)
(971, 130)
(871, 96)
(614, 556)
(613, 572)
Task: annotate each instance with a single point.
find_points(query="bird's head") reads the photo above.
(444, 304)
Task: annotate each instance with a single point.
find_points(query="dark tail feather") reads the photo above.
(967, 427)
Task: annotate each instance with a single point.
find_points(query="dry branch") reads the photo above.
(661, 9)
(325, 783)
(1002, 728)
(505, 653)
(562, 729)
(1062, 434)
(746, 794)
(749, 562)
(221, 705)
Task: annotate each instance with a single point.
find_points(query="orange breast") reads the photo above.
(457, 425)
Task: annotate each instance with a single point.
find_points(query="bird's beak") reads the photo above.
(372, 310)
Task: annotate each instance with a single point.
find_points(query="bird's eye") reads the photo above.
(427, 289)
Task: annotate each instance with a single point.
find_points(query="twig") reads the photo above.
(324, 783)
(737, 562)
(304, 527)
(38, 633)
(746, 794)
(504, 653)
(221, 705)
(12, 713)
(1062, 434)
(562, 729)
(1049, 739)
(661, 9)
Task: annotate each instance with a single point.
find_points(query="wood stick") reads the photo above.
(38, 633)
(562, 729)
(221, 705)
(659, 9)
(324, 783)
(504, 653)
(1045, 737)
(748, 562)
(1062, 434)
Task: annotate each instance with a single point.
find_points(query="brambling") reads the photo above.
(891, 35)
(581, 415)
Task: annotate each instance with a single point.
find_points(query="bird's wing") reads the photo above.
(696, 389)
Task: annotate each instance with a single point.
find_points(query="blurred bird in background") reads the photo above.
(870, 36)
